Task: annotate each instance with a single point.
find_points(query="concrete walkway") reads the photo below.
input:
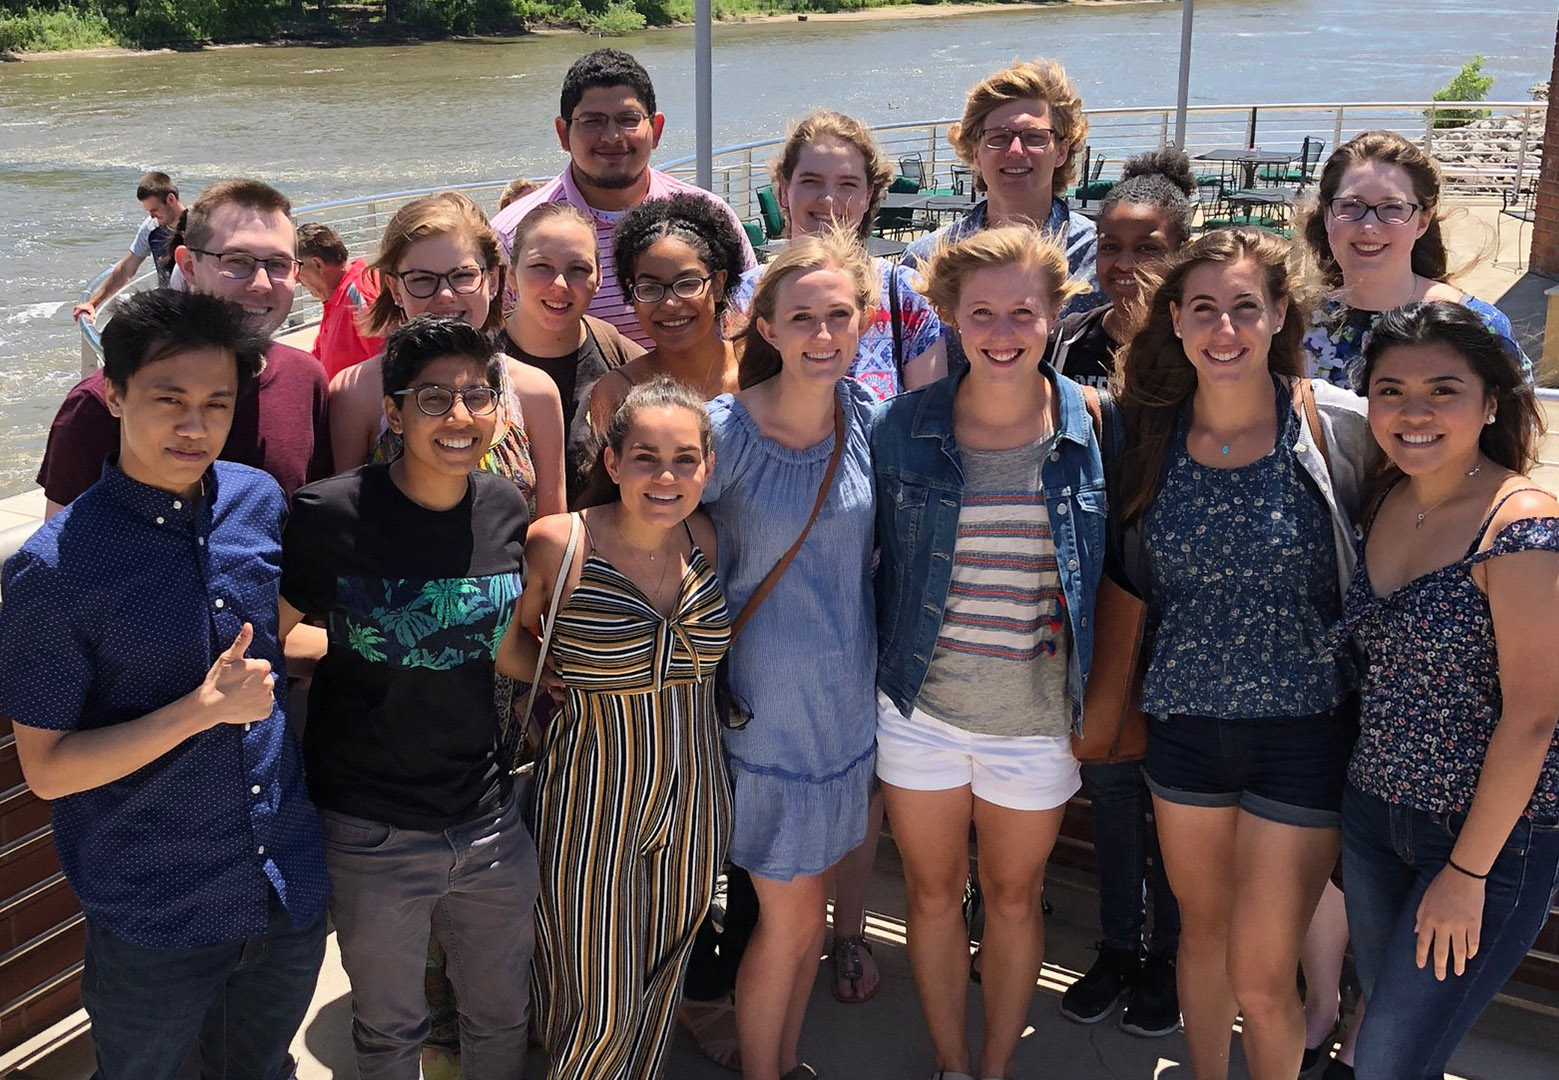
(885, 1038)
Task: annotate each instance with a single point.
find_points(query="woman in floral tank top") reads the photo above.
(1451, 814)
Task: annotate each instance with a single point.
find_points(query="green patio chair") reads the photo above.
(773, 218)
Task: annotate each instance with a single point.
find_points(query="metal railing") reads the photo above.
(1500, 152)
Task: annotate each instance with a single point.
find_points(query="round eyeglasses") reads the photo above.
(423, 284)
(1390, 212)
(688, 288)
(435, 400)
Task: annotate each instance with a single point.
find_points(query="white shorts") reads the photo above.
(922, 753)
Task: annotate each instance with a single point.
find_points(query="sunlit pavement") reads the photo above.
(884, 1038)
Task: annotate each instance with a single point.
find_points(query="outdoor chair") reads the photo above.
(896, 220)
(773, 218)
(1092, 188)
(1521, 205)
(1301, 172)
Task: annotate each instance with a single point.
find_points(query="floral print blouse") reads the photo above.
(1242, 585)
(1334, 345)
(1430, 697)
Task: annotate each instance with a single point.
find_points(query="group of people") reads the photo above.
(741, 557)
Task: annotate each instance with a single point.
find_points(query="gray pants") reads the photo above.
(478, 884)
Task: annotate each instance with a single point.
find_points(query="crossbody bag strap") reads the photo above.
(1304, 396)
(564, 569)
(895, 319)
(766, 586)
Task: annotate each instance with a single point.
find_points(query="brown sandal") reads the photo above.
(849, 970)
(713, 1027)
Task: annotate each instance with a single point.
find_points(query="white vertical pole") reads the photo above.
(703, 92)
(1188, 8)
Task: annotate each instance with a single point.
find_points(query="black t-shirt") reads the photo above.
(401, 724)
(1085, 350)
(575, 375)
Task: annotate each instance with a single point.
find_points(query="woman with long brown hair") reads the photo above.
(1238, 532)
(1456, 605)
(1376, 234)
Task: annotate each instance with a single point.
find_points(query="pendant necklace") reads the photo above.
(1419, 523)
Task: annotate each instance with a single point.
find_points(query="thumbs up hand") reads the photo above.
(238, 690)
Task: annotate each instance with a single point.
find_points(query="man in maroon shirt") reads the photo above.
(239, 244)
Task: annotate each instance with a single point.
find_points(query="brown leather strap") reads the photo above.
(766, 586)
(1304, 398)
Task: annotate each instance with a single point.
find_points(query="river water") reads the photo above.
(323, 123)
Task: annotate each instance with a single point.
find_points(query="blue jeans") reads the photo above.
(241, 1001)
(1390, 855)
(1123, 842)
(477, 884)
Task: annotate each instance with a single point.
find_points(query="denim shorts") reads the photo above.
(1286, 769)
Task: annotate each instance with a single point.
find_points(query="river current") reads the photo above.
(322, 123)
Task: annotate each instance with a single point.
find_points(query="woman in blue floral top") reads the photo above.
(1451, 814)
(1238, 532)
(1375, 233)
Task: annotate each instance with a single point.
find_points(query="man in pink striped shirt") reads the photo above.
(608, 124)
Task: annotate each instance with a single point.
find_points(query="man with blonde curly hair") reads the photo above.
(1022, 132)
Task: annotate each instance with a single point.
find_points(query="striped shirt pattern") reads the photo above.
(1001, 652)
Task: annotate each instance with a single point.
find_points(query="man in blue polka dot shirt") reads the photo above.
(140, 665)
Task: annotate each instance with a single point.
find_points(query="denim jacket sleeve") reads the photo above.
(920, 481)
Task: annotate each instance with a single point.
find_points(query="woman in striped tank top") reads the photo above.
(633, 805)
(990, 517)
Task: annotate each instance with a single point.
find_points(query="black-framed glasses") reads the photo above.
(240, 265)
(688, 288)
(436, 400)
(596, 123)
(1390, 212)
(424, 283)
(1000, 138)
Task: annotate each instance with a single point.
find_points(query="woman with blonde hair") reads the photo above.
(439, 256)
(1022, 131)
(1237, 488)
(1376, 234)
(990, 513)
(792, 464)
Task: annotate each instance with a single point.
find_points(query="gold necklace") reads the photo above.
(1419, 523)
(636, 553)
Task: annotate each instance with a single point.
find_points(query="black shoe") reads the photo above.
(1336, 1070)
(1154, 1008)
(1094, 997)
(1315, 1055)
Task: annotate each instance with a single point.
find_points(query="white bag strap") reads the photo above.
(564, 570)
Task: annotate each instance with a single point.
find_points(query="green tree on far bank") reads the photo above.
(1469, 84)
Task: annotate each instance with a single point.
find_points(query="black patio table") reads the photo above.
(1249, 157)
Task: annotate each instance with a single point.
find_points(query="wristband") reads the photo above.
(1463, 870)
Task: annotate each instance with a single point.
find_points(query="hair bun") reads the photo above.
(1170, 163)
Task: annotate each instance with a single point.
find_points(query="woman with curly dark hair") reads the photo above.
(678, 260)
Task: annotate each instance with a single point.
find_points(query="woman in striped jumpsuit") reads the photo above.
(633, 804)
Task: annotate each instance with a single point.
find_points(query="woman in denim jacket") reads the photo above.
(1238, 530)
(990, 516)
